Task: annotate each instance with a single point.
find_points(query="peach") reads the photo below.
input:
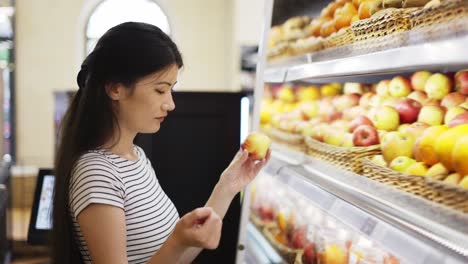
(257, 144)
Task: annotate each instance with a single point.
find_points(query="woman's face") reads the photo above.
(143, 109)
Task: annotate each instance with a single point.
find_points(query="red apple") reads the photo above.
(453, 99)
(310, 254)
(257, 144)
(266, 212)
(408, 109)
(400, 87)
(298, 239)
(461, 82)
(365, 135)
(360, 120)
(418, 80)
(459, 120)
(419, 96)
(382, 88)
(438, 86)
(431, 115)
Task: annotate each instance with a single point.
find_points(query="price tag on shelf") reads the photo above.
(369, 226)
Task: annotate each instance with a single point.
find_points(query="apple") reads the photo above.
(436, 170)
(365, 99)
(401, 163)
(419, 96)
(377, 101)
(334, 137)
(403, 128)
(353, 112)
(424, 148)
(460, 156)
(408, 109)
(379, 160)
(382, 88)
(360, 120)
(390, 101)
(309, 109)
(464, 182)
(386, 118)
(453, 99)
(310, 254)
(309, 93)
(266, 212)
(431, 115)
(354, 88)
(438, 86)
(417, 169)
(329, 90)
(446, 142)
(346, 101)
(461, 82)
(460, 119)
(418, 79)
(453, 178)
(286, 94)
(348, 141)
(257, 144)
(395, 144)
(415, 130)
(399, 87)
(432, 102)
(365, 135)
(464, 105)
(452, 113)
(298, 239)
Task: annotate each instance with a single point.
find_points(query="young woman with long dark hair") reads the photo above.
(108, 204)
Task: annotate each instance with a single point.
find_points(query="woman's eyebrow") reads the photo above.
(167, 83)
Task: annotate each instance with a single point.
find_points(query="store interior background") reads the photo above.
(49, 46)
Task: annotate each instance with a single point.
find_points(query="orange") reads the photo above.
(327, 28)
(460, 156)
(446, 142)
(424, 149)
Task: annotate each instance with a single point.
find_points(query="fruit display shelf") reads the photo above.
(443, 54)
(420, 231)
(258, 249)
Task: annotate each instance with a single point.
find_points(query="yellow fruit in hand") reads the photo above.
(446, 142)
(453, 178)
(460, 156)
(257, 144)
(417, 169)
(437, 169)
(464, 182)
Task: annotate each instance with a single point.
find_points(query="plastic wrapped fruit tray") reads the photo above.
(347, 158)
(290, 140)
(290, 255)
(432, 189)
(258, 222)
(340, 38)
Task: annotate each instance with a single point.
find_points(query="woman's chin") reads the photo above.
(151, 130)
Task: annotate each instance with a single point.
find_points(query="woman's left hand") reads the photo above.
(242, 171)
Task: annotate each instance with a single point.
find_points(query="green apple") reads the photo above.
(395, 144)
(386, 118)
(401, 163)
(431, 115)
(438, 86)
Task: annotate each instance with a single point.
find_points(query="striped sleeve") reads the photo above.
(94, 181)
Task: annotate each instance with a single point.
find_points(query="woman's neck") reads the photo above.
(121, 144)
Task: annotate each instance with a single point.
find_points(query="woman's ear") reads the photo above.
(115, 91)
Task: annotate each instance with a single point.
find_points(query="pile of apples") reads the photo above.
(429, 135)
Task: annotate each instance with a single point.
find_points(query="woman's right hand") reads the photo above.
(200, 228)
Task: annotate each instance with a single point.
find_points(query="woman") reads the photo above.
(108, 205)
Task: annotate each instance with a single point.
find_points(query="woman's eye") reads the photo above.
(160, 92)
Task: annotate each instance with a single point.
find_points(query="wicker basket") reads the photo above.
(302, 46)
(429, 188)
(290, 140)
(448, 19)
(347, 158)
(382, 24)
(340, 38)
(289, 254)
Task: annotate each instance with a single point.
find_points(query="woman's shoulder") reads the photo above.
(94, 161)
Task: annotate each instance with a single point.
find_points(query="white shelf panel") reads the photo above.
(434, 55)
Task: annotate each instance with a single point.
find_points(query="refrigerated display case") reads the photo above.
(319, 203)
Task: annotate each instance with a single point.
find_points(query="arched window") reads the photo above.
(110, 13)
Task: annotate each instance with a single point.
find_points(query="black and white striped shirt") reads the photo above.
(105, 178)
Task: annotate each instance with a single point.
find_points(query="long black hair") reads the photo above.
(124, 54)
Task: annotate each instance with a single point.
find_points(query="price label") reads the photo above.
(368, 226)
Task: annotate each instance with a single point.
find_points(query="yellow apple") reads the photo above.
(386, 118)
(395, 144)
(464, 182)
(401, 163)
(424, 149)
(309, 109)
(438, 86)
(257, 144)
(286, 94)
(417, 169)
(265, 116)
(453, 178)
(436, 170)
(309, 93)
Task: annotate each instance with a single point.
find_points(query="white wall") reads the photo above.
(50, 36)
(249, 20)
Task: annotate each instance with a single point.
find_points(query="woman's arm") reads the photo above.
(104, 229)
(237, 175)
